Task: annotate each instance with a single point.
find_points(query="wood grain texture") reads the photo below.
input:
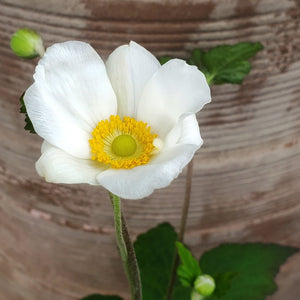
(57, 241)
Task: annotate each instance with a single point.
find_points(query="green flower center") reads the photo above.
(124, 145)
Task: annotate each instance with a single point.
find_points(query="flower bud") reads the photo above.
(27, 43)
(204, 285)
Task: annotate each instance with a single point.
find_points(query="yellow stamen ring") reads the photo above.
(122, 144)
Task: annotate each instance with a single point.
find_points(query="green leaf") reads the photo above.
(101, 297)
(223, 283)
(28, 124)
(223, 64)
(189, 270)
(155, 252)
(164, 59)
(197, 60)
(228, 64)
(181, 292)
(254, 265)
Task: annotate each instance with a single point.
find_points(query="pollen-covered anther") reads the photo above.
(122, 144)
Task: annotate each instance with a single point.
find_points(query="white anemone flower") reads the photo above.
(128, 125)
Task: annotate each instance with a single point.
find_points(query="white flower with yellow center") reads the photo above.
(128, 125)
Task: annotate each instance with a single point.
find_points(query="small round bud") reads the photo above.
(204, 285)
(27, 43)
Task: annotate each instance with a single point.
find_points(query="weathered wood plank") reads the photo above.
(57, 240)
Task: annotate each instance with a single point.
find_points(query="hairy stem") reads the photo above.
(187, 197)
(126, 250)
(184, 214)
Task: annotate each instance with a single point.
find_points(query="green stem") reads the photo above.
(187, 198)
(184, 214)
(209, 78)
(185, 209)
(126, 249)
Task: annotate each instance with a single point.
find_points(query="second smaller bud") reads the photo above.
(204, 285)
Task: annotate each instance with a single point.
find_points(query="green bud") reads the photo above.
(204, 285)
(27, 43)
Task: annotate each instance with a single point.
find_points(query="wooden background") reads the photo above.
(57, 241)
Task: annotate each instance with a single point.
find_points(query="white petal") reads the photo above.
(129, 68)
(56, 126)
(175, 89)
(57, 166)
(70, 95)
(186, 131)
(140, 182)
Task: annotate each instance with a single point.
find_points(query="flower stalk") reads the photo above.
(126, 249)
(184, 214)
